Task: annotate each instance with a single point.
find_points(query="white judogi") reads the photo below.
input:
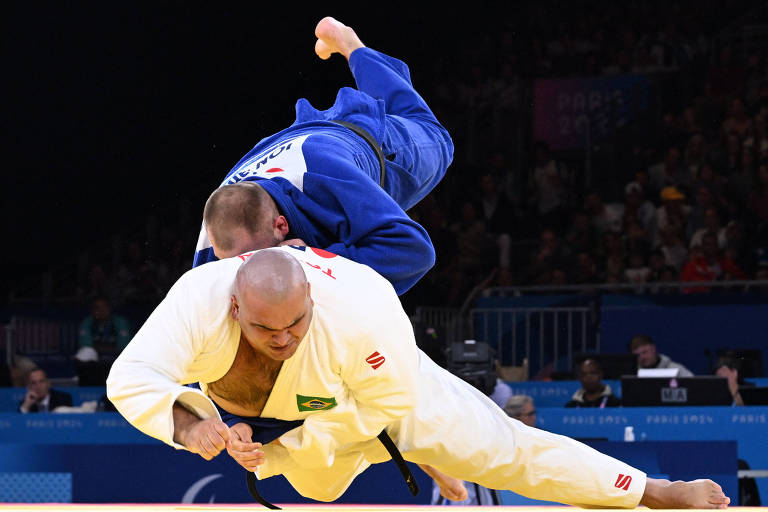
(360, 354)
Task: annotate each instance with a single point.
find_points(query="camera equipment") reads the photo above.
(473, 362)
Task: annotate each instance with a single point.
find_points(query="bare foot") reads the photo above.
(679, 494)
(335, 37)
(450, 488)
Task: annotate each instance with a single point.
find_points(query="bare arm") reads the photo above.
(206, 438)
(450, 488)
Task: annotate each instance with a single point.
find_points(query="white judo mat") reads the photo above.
(127, 507)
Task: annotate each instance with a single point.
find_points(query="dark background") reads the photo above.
(117, 109)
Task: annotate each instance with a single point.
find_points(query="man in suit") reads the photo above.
(40, 397)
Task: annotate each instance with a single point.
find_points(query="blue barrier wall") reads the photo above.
(98, 457)
(688, 329)
(545, 393)
(748, 426)
(11, 397)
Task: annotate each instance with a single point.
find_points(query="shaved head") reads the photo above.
(239, 218)
(270, 273)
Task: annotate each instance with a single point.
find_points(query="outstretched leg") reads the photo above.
(679, 494)
(417, 147)
(335, 37)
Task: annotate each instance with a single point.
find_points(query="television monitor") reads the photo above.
(677, 391)
(754, 395)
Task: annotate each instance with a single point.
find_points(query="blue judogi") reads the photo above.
(325, 179)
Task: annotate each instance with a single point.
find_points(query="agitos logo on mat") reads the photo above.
(315, 403)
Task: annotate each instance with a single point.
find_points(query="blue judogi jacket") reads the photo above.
(324, 178)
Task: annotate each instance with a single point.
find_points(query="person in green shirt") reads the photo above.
(104, 331)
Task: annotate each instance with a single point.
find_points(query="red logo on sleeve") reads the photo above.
(375, 360)
(322, 252)
(623, 482)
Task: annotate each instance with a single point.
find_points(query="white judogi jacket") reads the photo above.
(356, 372)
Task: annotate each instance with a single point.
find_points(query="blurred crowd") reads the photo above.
(691, 202)
(691, 197)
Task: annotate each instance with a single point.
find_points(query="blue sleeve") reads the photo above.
(364, 224)
(399, 251)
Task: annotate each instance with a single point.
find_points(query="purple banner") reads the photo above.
(569, 112)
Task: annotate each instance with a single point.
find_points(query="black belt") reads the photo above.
(250, 478)
(371, 142)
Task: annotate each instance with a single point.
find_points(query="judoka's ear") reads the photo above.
(281, 227)
(309, 294)
(235, 309)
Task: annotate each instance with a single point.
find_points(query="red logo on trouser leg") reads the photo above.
(623, 482)
(375, 360)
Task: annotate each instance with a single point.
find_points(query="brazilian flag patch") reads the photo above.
(315, 403)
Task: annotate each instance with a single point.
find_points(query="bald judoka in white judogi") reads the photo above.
(359, 354)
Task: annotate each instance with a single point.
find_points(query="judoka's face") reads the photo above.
(274, 328)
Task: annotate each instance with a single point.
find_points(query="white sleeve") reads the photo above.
(379, 369)
(147, 377)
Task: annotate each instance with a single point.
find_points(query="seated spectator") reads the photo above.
(656, 264)
(498, 213)
(550, 254)
(726, 155)
(667, 274)
(706, 263)
(521, 408)
(711, 224)
(613, 257)
(637, 270)
(605, 217)
(501, 393)
(729, 367)
(737, 120)
(582, 236)
(704, 200)
(644, 348)
(637, 238)
(107, 333)
(593, 392)
(673, 213)
(585, 269)
(20, 367)
(713, 181)
(761, 273)
(548, 187)
(40, 397)
(741, 183)
(757, 203)
(99, 283)
(696, 151)
(673, 248)
(637, 206)
(670, 172)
